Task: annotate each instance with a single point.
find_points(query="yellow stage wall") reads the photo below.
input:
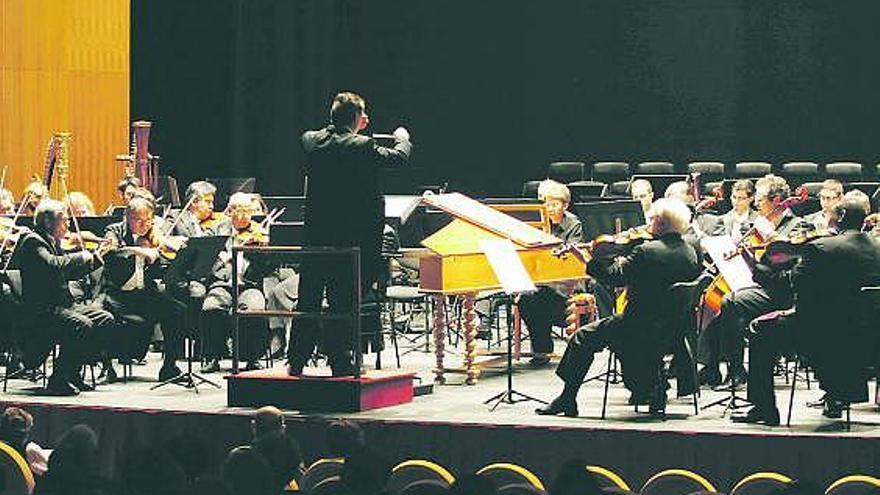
(64, 65)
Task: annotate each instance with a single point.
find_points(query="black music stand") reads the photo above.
(194, 262)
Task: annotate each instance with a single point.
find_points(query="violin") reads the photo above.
(210, 223)
(606, 245)
(785, 249)
(254, 235)
(87, 240)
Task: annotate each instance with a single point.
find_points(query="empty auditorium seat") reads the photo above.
(609, 172)
(566, 172)
(763, 483)
(607, 478)
(503, 474)
(408, 472)
(749, 170)
(319, 471)
(530, 189)
(844, 171)
(796, 173)
(709, 171)
(676, 482)
(657, 168)
(854, 484)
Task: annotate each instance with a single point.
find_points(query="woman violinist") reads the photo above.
(217, 307)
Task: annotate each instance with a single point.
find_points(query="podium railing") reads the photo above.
(353, 255)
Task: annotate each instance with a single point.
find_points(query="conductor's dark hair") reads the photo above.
(346, 107)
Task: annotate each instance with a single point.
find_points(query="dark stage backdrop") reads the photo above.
(493, 90)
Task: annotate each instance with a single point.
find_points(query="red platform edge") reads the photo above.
(374, 389)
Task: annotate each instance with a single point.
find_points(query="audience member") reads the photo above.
(366, 472)
(73, 466)
(268, 420)
(247, 472)
(574, 479)
(150, 470)
(15, 429)
(344, 437)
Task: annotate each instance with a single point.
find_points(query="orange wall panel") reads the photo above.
(64, 65)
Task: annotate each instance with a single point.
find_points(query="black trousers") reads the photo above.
(217, 323)
(638, 345)
(81, 331)
(726, 335)
(540, 311)
(136, 313)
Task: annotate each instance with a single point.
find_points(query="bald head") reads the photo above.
(268, 420)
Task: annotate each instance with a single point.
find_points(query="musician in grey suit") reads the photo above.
(741, 216)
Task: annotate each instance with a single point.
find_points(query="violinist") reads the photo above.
(829, 197)
(741, 216)
(31, 197)
(7, 202)
(827, 281)
(638, 334)
(55, 318)
(130, 288)
(198, 219)
(217, 307)
(80, 203)
(545, 307)
(772, 290)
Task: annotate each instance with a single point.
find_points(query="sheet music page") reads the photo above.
(508, 268)
(735, 270)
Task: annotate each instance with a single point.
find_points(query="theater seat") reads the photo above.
(763, 483)
(411, 471)
(503, 474)
(607, 478)
(676, 482)
(751, 170)
(854, 484)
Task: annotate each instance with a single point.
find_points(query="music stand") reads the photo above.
(193, 262)
(227, 186)
(602, 217)
(514, 279)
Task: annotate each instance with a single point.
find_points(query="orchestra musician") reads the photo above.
(198, 219)
(829, 197)
(80, 203)
(638, 334)
(33, 193)
(7, 202)
(46, 298)
(126, 188)
(217, 307)
(741, 216)
(771, 291)
(131, 291)
(642, 191)
(827, 281)
(341, 165)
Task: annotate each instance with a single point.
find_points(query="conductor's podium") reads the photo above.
(457, 265)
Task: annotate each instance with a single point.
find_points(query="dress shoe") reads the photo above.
(540, 359)
(819, 403)
(168, 372)
(557, 407)
(211, 366)
(657, 405)
(833, 408)
(758, 415)
(108, 375)
(253, 366)
(82, 386)
(343, 370)
(295, 369)
(710, 376)
(59, 386)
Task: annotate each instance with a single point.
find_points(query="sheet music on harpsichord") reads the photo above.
(471, 210)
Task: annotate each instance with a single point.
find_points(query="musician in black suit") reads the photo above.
(640, 334)
(131, 289)
(741, 216)
(343, 168)
(53, 316)
(827, 283)
(772, 289)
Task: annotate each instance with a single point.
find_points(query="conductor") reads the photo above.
(342, 167)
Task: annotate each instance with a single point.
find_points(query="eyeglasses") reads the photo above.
(828, 197)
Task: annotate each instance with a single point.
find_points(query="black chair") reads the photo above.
(530, 189)
(844, 171)
(711, 173)
(751, 170)
(566, 172)
(687, 297)
(797, 173)
(655, 168)
(609, 172)
(586, 190)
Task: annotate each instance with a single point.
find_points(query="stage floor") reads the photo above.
(457, 403)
